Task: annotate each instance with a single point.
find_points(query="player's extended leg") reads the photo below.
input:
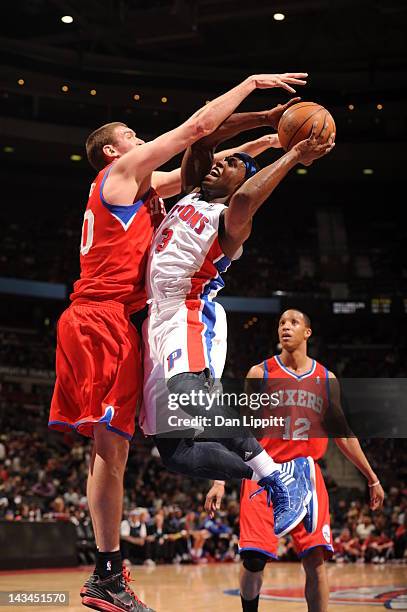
(106, 472)
(107, 587)
(251, 579)
(201, 458)
(287, 488)
(98, 383)
(243, 443)
(316, 580)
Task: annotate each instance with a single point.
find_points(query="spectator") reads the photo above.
(365, 527)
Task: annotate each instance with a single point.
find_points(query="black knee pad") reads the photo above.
(253, 560)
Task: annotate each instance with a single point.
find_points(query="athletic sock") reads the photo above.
(263, 465)
(250, 605)
(108, 563)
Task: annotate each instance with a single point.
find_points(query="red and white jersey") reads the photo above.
(114, 246)
(186, 260)
(303, 401)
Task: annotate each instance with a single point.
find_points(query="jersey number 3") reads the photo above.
(87, 231)
(166, 236)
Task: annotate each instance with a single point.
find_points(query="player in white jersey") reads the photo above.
(185, 333)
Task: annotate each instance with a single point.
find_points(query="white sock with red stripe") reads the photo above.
(263, 465)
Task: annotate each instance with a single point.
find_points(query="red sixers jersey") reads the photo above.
(114, 246)
(303, 401)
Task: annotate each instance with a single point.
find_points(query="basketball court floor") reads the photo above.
(199, 588)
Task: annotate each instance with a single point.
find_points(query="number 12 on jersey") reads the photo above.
(302, 426)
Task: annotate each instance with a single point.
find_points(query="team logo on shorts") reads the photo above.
(172, 357)
(326, 532)
(391, 597)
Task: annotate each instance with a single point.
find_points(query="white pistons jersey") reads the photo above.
(185, 258)
(185, 330)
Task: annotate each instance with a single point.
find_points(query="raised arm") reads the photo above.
(131, 171)
(254, 192)
(199, 157)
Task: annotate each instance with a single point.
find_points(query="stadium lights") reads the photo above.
(93, 92)
(368, 171)
(164, 100)
(351, 107)
(301, 171)
(67, 19)
(379, 106)
(75, 157)
(21, 82)
(8, 149)
(279, 16)
(136, 97)
(65, 88)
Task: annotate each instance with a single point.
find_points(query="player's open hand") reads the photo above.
(286, 80)
(274, 114)
(315, 146)
(376, 496)
(214, 498)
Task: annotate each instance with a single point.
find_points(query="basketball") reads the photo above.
(296, 123)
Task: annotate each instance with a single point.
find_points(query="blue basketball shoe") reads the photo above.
(311, 516)
(289, 490)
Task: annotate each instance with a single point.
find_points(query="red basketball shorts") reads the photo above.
(98, 367)
(257, 524)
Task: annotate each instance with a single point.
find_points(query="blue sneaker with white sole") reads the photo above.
(289, 492)
(311, 516)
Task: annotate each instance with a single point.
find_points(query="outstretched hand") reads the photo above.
(285, 80)
(315, 146)
(274, 114)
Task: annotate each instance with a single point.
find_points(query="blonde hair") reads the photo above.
(95, 142)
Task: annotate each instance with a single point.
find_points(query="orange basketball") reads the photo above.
(296, 123)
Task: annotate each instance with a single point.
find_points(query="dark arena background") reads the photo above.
(331, 241)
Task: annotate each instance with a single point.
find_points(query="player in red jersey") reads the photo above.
(305, 396)
(98, 352)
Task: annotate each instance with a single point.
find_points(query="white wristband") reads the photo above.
(374, 484)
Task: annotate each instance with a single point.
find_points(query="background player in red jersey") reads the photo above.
(294, 371)
(98, 354)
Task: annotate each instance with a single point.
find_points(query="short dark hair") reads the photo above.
(97, 140)
(306, 318)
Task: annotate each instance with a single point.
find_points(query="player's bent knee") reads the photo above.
(253, 560)
(172, 453)
(174, 464)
